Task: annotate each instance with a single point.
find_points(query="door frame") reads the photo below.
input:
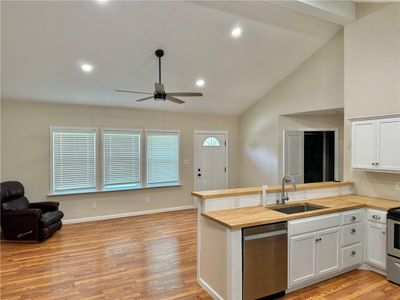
(336, 130)
(198, 132)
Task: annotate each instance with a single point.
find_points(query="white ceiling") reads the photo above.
(44, 43)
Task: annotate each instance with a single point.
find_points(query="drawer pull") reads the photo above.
(353, 230)
(376, 217)
(352, 253)
(353, 218)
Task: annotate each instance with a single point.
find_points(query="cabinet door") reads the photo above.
(376, 244)
(302, 258)
(388, 144)
(364, 144)
(327, 251)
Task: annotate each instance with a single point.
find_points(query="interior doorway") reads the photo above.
(311, 155)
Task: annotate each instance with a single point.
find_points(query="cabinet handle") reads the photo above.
(376, 217)
(353, 218)
(352, 253)
(318, 240)
(373, 164)
(352, 230)
(376, 164)
(383, 232)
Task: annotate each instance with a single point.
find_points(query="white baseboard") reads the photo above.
(368, 267)
(129, 214)
(209, 289)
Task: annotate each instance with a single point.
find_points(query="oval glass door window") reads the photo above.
(211, 141)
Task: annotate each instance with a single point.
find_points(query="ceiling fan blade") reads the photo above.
(159, 87)
(173, 99)
(189, 94)
(144, 99)
(132, 92)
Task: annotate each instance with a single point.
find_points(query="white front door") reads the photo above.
(211, 161)
(294, 154)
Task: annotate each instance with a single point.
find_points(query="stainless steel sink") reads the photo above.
(297, 208)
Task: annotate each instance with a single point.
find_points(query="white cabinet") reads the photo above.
(376, 144)
(302, 258)
(327, 251)
(376, 244)
(364, 144)
(315, 253)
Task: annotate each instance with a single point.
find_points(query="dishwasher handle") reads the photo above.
(263, 235)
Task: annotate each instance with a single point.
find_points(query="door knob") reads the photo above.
(198, 170)
(199, 175)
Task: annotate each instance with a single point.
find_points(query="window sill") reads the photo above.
(115, 190)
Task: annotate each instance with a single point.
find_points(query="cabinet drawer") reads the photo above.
(352, 234)
(313, 224)
(351, 217)
(376, 216)
(351, 256)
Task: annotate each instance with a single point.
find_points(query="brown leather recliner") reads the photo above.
(21, 220)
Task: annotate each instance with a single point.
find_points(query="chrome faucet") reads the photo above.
(287, 179)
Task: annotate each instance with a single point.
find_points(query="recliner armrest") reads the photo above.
(45, 206)
(22, 213)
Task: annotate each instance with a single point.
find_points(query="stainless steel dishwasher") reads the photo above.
(264, 261)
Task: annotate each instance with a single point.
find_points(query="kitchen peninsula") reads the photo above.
(332, 235)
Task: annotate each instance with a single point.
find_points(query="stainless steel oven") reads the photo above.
(393, 245)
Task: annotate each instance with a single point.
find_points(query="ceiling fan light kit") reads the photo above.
(159, 91)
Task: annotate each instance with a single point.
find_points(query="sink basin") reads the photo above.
(297, 208)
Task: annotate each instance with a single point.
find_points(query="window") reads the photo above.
(162, 158)
(121, 159)
(211, 142)
(73, 160)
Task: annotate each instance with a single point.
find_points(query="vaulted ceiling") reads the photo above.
(45, 42)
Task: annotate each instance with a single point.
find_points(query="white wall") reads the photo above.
(316, 85)
(25, 152)
(372, 86)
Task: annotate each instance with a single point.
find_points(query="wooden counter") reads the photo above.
(271, 189)
(259, 215)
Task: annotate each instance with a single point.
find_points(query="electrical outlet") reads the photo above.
(147, 199)
(398, 185)
(94, 205)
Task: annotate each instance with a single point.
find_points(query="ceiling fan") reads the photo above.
(159, 91)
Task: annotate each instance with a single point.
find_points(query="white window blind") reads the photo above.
(162, 158)
(121, 150)
(73, 160)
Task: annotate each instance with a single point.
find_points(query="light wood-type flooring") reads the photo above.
(145, 257)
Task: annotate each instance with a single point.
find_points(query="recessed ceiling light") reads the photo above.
(87, 68)
(236, 32)
(200, 82)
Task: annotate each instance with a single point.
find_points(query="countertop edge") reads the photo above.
(203, 195)
(286, 218)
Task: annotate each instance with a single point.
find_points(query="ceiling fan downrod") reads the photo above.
(159, 54)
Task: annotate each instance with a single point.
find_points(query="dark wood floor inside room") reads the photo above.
(146, 257)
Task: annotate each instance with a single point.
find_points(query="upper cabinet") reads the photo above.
(376, 144)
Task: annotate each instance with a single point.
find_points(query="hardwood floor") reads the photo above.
(358, 284)
(146, 257)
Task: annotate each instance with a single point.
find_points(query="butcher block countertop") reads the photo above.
(271, 189)
(258, 215)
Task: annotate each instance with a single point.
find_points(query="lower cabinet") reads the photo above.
(313, 254)
(327, 251)
(302, 258)
(376, 244)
